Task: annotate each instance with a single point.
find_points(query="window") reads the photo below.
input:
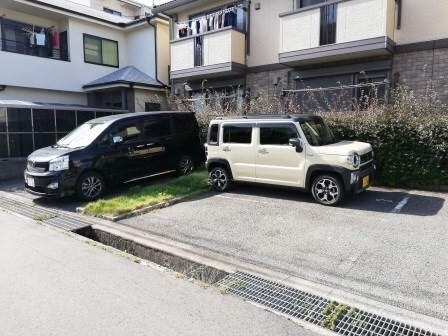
(306, 3)
(155, 128)
(213, 135)
(238, 134)
(129, 132)
(111, 11)
(100, 51)
(277, 135)
(328, 17)
(19, 120)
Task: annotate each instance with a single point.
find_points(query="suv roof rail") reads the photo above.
(258, 116)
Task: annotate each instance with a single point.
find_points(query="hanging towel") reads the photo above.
(203, 23)
(40, 39)
(55, 36)
(32, 39)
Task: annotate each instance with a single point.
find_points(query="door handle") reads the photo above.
(141, 146)
(150, 144)
(226, 149)
(263, 151)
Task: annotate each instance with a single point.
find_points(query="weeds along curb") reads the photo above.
(144, 210)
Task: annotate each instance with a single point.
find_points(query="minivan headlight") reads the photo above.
(354, 159)
(60, 163)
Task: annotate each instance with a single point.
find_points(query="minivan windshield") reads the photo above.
(317, 132)
(83, 135)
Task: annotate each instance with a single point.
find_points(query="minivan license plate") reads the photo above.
(365, 181)
(30, 182)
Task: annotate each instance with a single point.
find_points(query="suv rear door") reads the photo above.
(277, 162)
(237, 146)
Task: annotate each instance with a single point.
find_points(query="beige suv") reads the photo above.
(295, 151)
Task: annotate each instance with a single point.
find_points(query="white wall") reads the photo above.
(140, 46)
(44, 96)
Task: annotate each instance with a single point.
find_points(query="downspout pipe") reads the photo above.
(148, 19)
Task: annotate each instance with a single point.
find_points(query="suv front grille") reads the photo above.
(366, 157)
(37, 167)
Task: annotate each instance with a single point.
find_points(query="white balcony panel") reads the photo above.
(182, 55)
(300, 31)
(361, 19)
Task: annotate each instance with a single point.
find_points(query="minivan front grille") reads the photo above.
(37, 167)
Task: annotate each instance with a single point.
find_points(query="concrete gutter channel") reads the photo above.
(243, 279)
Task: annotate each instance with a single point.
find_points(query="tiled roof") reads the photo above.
(127, 75)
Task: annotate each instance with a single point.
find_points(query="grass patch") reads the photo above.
(139, 197)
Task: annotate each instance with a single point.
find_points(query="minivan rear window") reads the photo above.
(237, 134)
(155, 128)
(183, 123)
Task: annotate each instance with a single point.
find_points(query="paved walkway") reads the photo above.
(54, 284)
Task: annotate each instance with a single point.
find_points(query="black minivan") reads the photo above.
(115, 148)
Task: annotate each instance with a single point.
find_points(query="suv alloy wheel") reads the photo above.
(220, 179)
(328, 190)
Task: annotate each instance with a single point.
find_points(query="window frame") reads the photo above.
(101, 39)
(299, 4)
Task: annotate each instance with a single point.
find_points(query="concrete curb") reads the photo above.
(143, 210)
(229, 264)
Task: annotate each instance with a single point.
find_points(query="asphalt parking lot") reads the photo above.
(387, 245)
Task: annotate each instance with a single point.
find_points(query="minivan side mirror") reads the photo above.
(117, 140)
(297, 143)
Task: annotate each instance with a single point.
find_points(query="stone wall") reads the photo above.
(417, 68)
(264, 80)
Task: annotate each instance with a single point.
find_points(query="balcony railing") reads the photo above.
(220, 51)
(341, 29)
(34, 50)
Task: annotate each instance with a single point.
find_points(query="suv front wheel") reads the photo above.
(328, 190)
(220, 179)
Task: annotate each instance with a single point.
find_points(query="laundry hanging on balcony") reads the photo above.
(209, 22)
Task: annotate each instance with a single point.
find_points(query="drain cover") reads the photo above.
(340, 318)
(41, 214)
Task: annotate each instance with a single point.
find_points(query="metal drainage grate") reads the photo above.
(329, 314)
(41, 214)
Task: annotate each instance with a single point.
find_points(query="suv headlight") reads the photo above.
(354, 159)
(60, 163)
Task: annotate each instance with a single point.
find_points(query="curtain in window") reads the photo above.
(110, 52)
(92, 49)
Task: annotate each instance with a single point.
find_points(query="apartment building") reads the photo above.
(303, 44)
(62, 63)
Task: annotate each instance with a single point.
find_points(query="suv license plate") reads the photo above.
(365, 181)
(30, 182)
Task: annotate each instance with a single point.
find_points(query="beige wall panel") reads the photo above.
(218, 47)
(423, 21)
(182, 55)
(146, 96)
(163, 52)
(300, 31)
(238, 47)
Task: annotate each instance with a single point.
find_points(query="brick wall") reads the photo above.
(417, 68)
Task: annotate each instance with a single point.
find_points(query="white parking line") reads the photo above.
(400, 205)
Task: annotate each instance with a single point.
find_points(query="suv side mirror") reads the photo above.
(297, 143)
(117, 139)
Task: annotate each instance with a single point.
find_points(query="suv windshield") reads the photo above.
(317, 132)
(83, 135)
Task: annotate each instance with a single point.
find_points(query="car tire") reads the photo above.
(328, 190)
(220, 179)
(185, 165)
(90, 186)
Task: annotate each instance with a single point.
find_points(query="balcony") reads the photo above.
(212, 54)
(337, 30)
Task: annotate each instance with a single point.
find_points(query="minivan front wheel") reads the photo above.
(220, 179)
(185, 165)
(328, 190)
(90, 186)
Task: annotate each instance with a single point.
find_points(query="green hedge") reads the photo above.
(410, 150)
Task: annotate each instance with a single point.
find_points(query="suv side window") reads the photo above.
(237, 134)
(213, 135)
(129, 132)
(156, 128)
(277, 135)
